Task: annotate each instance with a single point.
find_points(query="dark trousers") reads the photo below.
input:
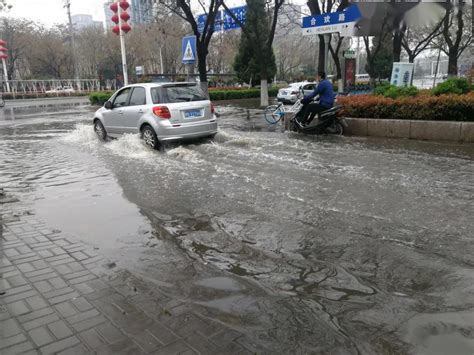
(311, 111)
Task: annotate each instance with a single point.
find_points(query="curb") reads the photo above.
(412, 129)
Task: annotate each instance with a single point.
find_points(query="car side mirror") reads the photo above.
(108, 105)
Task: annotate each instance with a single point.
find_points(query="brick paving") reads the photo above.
(56, 297)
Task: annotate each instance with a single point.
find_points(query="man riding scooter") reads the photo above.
(326, 100)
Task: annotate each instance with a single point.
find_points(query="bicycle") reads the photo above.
(274, 113)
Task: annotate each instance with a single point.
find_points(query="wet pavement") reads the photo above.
(305, 244)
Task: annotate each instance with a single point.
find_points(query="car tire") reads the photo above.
(99, 129)
(150, 138)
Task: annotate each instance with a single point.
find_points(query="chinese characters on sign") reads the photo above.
(224, 21)
(341, 21)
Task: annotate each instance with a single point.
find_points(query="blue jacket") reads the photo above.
(325, 92)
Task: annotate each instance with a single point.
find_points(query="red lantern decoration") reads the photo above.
(115, 18)
(114, 7)
(126, 27)
(2, 42)
(116, 30)
(3, 56)
(124, 16)
(124, 5)
(3, 49)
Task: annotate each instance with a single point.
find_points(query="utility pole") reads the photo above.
(67, 5)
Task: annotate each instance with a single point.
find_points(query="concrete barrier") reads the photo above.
(388, 128)
(435, 131)
(467, 132)
(411, 129)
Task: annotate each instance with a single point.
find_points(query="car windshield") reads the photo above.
(179, 93)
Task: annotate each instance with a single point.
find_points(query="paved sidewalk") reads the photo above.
(59, 296)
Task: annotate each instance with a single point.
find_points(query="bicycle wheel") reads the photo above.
(273, 114)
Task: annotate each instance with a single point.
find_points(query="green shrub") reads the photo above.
(217, 95)
(453, 86)
(422, 107)
(99, 98)
(394, 92)
(381, 89)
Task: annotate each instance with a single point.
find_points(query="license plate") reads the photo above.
(190, 114)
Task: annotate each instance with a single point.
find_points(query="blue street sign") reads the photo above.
(331, 22)
(223, 21)
(188, 50)
(239, 12)
(201, 22)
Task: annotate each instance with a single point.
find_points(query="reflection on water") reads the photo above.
(308, 244)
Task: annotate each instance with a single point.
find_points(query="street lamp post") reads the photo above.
(121, 17)
(4, 57)
(67, 5)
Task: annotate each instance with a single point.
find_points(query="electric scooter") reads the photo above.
(325, 122)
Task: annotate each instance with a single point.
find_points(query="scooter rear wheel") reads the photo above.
(338, 129)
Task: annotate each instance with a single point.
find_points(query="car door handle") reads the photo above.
(140, 111)
(120, 112)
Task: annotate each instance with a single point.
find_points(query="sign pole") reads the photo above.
(122, 48)
(358, 55)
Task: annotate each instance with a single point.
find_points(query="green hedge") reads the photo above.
(422, 107)
(453, 86)
(216, 95)
(99, 98)
(394, 92)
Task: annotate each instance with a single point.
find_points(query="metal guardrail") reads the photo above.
(57, 87)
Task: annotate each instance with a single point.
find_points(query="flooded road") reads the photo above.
(334, 245)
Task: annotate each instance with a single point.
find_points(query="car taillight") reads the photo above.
(162, 112)
(213, 109)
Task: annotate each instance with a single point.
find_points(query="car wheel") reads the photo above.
(150, 138)
(100, 130)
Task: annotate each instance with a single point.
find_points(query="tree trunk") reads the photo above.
(411, 58)
(202, 68)
(321, 56)
(337, 63)
(453, 62)
(397, 45)
(264, 93)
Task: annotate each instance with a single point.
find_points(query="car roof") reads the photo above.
(170, 83)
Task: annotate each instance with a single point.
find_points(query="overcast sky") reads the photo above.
(51, 12)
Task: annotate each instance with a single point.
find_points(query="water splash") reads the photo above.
(131, 146)
(83, 134)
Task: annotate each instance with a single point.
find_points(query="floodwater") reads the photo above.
(308, 244)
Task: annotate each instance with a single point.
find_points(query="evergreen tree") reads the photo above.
(255, 60)
(380, 57)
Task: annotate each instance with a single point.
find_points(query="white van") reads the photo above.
(362, 78)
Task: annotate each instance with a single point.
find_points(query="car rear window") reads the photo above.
(178, 93)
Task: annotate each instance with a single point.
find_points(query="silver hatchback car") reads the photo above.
(160, 112)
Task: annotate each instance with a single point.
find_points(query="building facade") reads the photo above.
(81, 21)
(141, 11)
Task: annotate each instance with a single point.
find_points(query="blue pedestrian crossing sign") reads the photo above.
(339, 21)
(188, 50)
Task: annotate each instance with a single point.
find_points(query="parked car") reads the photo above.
(60, 89)
(290, 94)
(160, 112)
